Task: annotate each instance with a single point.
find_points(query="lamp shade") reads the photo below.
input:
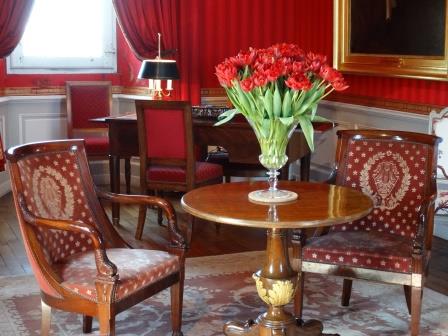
(159, 69)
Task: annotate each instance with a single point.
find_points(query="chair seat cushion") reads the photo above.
(136, 269)
(204, 171)
(97, 145)
(365, 249)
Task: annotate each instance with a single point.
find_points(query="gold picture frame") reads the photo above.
(352, 57)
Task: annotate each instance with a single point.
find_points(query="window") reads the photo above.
(67, 36)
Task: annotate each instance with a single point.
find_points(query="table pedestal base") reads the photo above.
(263, 327)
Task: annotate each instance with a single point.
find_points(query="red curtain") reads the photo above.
(190, 50)
(13, 17)
(176, 20)
(141, 20)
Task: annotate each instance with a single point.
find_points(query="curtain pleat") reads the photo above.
(14, 15)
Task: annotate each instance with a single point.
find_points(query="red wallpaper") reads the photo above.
(231, 25)
(226, 26)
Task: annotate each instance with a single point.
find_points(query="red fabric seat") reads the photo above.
(204, 171)
(366, 249)
(97, 145)
(137, 269)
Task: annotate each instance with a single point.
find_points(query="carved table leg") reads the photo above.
(276, 283)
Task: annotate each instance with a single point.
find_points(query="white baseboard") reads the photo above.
(441, 226)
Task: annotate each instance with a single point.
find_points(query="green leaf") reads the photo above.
(320, 119)
(277, 105)
(266, 127)
(313, 111)
(268, 100)
(226, 116)
(308, 130)
(286, 106)
(286, 121)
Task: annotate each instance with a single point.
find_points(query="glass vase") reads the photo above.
(273, 136)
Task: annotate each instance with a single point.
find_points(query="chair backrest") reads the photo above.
(165, 134)
(87, 100)
(396, 168)
(52, 180)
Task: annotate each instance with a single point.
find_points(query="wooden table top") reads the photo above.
(318, 205)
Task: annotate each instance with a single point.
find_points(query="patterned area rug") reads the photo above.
(219, 289)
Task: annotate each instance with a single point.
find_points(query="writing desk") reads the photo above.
(236, 136)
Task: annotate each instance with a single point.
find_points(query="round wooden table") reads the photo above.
(317, 205)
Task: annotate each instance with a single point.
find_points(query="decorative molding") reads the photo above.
(24, 131)
(60, 90)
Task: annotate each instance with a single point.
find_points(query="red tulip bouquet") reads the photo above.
(276, 89)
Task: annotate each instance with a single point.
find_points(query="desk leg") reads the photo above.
(114, 166)
(305, 163)
(276, 283)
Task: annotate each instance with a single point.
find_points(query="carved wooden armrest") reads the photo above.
(177, 240)
(106, 269)
(418, 244)
(332, 177)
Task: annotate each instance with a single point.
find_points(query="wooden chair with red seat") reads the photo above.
(393, 243)
(167, 158)
(87, 100)
(80, 262)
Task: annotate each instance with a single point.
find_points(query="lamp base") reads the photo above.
(272, 196)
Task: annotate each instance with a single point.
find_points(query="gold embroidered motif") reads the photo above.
(51, 189)
(384, 170)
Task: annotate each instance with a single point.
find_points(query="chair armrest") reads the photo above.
(106, 269)
(332, 177)
(419, 244)
(177, 240)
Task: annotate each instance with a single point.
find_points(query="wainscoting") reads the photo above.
(38, 118)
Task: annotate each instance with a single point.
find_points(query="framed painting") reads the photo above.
(404, 38)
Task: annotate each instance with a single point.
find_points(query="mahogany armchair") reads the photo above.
(87, 100)
(167, 158)
(393, 243)
(80, 262)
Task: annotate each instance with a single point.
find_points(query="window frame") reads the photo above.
(17, 63)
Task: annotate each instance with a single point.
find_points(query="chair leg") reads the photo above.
(190, 227)
(177, 294)
(346, 292)
(46, 319)
(141, 222)
(107, 325)
(227, 178)
(87, 324)
(407, 295)
(127, 174)
(298, 298)
(416, 306)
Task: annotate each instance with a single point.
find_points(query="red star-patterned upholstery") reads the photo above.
(394, 174)
(392, 243)
(138, 269)
(368, 249)
(80, 262)
(204, 171)
(53, 189)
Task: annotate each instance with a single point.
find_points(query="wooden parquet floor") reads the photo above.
(206, 241)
